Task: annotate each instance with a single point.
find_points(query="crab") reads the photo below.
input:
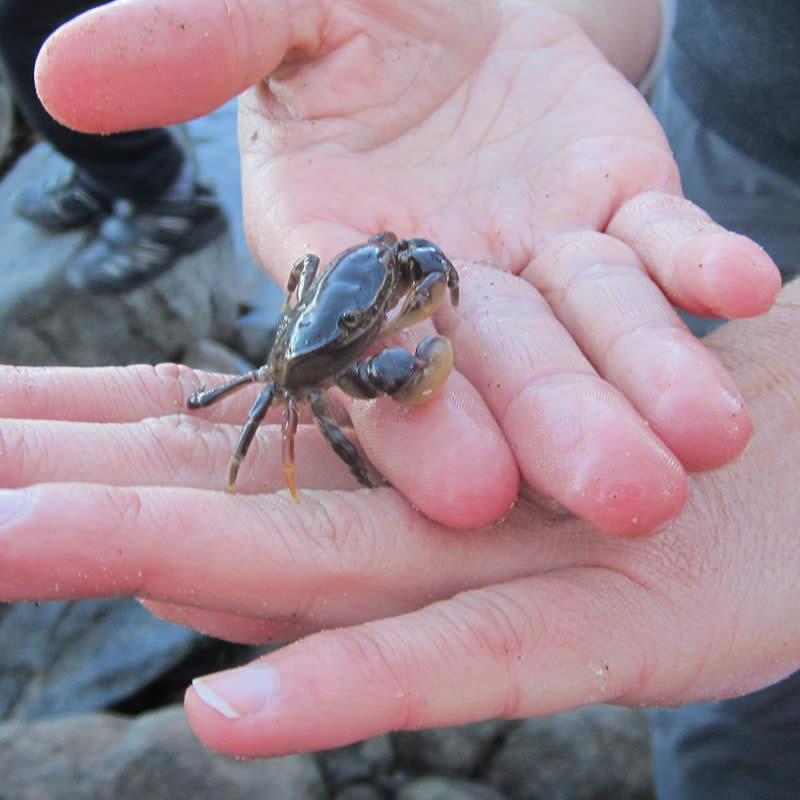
(321, 341)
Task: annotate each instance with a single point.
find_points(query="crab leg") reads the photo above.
(288, 430)
(335, 437)
(301, 277)
(257, 413)
(205, 397)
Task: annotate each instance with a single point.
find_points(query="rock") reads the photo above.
(155, 756)
(371, 761)
(361, 791)
(255, 330)
(449, 751)
(592, 753)
(45, 321)
(440, 788)
(215, 357)
(69, 657)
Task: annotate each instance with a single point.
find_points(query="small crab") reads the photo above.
(320, 342)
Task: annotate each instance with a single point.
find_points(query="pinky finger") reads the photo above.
(231, 627)
(702, 267)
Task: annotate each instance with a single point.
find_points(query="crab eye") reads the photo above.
(351, 319)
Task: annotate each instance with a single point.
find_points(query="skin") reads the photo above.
(556, 198)
(592, 384)
(540, 612)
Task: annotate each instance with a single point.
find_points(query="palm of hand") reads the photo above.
(508, 139)
(530, 158)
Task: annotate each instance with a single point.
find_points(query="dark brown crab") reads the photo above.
(321, 340)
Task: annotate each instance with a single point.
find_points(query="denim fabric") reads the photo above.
(137, 166)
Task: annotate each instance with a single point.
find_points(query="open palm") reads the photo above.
(505, 136)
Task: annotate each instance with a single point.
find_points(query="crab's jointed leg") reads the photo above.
(254, 418)
(301, 276)
(336, 438)
(288, 430)
(205, 397)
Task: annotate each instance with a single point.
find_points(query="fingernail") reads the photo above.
(12, 501)
(238, 692)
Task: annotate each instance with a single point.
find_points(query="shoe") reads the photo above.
(68, 203)
(134, 248)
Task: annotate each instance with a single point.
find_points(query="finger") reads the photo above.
(177, 450)
(526, 648)
(640, 345)
(231, 627)
(702, 267)
(336, 558)
(575, 437)
(137, 64)
(424, 451)
(430, 452)
(114, 394)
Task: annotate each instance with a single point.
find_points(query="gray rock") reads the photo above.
(155, 756)
(68, 657)
(215, 357)
(592, 753)
(449, 751)
(441, 788)
(369, 762)
(45, 321)
(361, 791)
(345, 767)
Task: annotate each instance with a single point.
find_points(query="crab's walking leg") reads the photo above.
(257, 413)
(205, 397)
(288, 431)
(411, 380)
(335, 437)
(301, 276)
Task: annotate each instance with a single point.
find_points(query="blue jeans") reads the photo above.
(137, 165)
(747, 748)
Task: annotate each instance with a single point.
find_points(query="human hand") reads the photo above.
(505, 136)
(534, 615)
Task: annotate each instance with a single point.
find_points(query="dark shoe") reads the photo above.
(132, 249)
(68, 203)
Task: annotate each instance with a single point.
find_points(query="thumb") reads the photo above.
(134, 64)
(531, 646)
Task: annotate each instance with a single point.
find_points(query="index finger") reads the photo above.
(98, 73)
(104, 394)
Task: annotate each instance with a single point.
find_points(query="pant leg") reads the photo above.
(739, 192)
(747, 748)
(138, 165)
(742, 749)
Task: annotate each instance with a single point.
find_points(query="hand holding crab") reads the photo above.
(559, 196)
(321, 340)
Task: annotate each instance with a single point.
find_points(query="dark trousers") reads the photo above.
(138, 166)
